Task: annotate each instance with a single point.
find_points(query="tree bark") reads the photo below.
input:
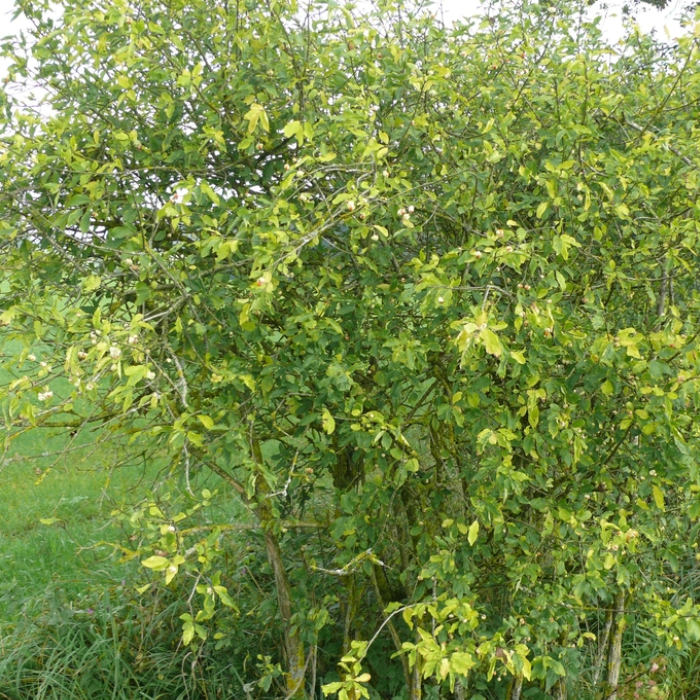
(350, 611)
(416, 688)
(515, 688)
(293, 646)
(615, 652)
(602, 648)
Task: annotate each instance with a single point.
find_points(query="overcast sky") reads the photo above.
(649, 18)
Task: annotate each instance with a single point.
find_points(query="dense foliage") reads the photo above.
(424, 300)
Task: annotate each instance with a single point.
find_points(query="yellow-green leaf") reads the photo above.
(658, 497)
(462, 662)
(492, 344)
(561, 280)
(518, 356)
(294, 128)
(473, 532)
(622, 211)
(156, 562)
(256, 114)
(206, 421)
(170, 574)
(187, 633)
(328, 421)
(533, 415)
(91, 283)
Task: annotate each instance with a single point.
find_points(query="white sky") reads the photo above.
(665, 22)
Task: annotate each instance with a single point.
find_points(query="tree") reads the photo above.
(423, 299)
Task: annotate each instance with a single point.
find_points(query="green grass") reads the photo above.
(57, 490)
(73, 493)
(71, 624)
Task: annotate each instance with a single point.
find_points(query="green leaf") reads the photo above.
(473, 532)
(206, 188)
(295, 128)
(170, 573)
(85, 221)
(187, 633)
(256, 115)
(206, 421)
(622, 210)
(518, 356)
(561, 280)
(331, 688)
(156, 562)
(658, 497)
(693, 629)
(412, 465)
(526, 669)
(462, 663)
(328, 421)
(91, 283)
(533, 415)
(492, 344)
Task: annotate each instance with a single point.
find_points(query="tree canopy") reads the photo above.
(422, 298)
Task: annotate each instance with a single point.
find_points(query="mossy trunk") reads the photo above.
(293, 646)
(515, 688)
(615, 651)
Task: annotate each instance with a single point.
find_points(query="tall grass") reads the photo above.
(72, 626)
(117, 649)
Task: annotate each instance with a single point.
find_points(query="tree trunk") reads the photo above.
(350, 611)
(515, 688)
(615, 652)
(416, 688)
(293, 646)
(602, 648)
